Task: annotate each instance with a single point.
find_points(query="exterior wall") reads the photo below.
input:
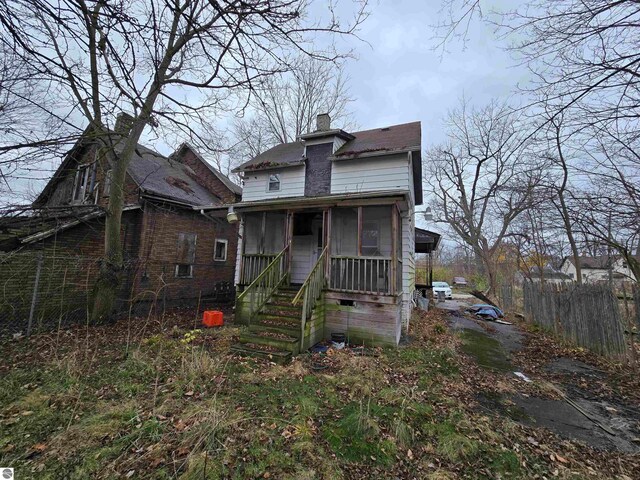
(205, 177)
(292, 184)
(68, 266)
(63, 189)
(158, 254)
(592, 275)
(408, 264)
(371, 321)
(385, 173)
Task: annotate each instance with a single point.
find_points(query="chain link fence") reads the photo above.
(42, 291)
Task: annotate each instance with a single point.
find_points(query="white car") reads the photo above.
(442, 287)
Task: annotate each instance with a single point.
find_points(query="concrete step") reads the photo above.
(245, 350)
(282, 342)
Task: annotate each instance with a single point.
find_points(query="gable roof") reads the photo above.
(547, 272)
(166, 178)
(598, 262)
(395, 138)
(236, 189)
(282, 155)
(154, 173)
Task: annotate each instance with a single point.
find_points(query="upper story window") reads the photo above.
(106, 188)
(274, 182)
(81, 184)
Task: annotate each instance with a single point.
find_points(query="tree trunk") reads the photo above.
(109, 279)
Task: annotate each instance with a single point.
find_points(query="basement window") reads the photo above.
(220, 251)
(274, 182)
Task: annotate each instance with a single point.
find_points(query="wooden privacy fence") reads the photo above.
(586, 315)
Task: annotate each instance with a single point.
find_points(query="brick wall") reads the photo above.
(61, 193)
(162, 226)
(204, 176)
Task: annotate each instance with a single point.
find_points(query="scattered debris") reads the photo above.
(522, 376)
(486, 311)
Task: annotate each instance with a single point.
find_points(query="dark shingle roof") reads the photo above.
(285, 154)
(159, 175)
(406, 136)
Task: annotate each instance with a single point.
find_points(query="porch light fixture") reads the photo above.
(428, 214)
(232, 216)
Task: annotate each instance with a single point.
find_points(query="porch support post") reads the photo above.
(289, 241)
(327, 242)
(359, 231)
(394, 250)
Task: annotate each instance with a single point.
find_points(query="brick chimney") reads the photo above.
(124, 123)
(323, 122)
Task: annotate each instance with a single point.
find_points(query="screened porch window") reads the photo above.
(361, 249)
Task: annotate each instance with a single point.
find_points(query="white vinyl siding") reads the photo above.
(256, 184)
(408, 263)
(372, 174)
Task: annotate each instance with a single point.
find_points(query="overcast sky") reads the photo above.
(400, 77)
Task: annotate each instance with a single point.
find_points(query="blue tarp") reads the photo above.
(486, 310)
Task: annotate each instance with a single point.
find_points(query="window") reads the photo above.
(184, 271)
(220, 252)
(80, 184)
(106, 189)
(370, 238)
(185, 254)
(274, 182)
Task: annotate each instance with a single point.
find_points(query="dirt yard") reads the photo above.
(162, 399)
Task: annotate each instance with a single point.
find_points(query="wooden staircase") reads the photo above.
(275, 332)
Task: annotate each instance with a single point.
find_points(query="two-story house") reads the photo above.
(327, 238)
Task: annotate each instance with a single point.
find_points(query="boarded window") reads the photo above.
(220, 250)
(186, 251)
(274, 182)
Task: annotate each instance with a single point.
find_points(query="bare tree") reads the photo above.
(286, 105)
(482, 179)
(173, 61)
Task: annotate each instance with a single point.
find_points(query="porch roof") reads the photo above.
(426, 240)
(387, 197)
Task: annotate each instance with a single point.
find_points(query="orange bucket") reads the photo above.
(212, 318)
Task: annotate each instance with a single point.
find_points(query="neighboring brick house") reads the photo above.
(172, 247)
